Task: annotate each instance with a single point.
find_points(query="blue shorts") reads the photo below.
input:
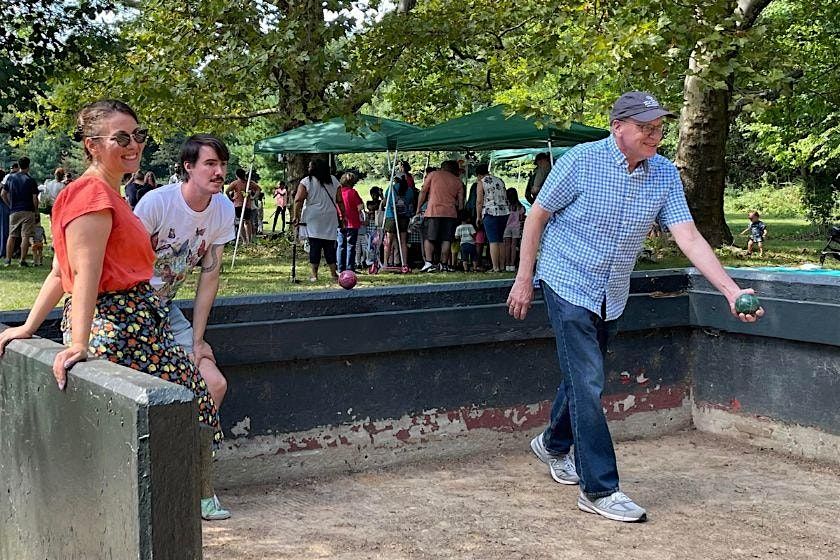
(468, 252)
(181, 328)
(494, 227)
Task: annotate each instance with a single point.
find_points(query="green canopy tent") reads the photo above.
(373, 134)
(492, 128)
(525, 154)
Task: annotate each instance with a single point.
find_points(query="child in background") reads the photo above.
(758, 231)
(465, 235)
(513, 229)
(349, 205)
(36, 242)
(362, 242)
(480, 242)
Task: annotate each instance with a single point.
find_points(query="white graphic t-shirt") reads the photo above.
(180, 235)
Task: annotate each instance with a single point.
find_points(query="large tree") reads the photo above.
(570, 59)
(42, 40)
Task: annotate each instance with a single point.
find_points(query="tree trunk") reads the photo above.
(701, 155)
(704, 129)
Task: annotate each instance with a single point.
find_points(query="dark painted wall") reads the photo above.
(296, 395)
(98, 471)
(795, 382)
(302, 360)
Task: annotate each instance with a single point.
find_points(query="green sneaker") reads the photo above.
(211, 510)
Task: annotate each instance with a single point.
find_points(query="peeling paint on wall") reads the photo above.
(436, 424)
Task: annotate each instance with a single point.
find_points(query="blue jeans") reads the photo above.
(577, 416)
(347, 248)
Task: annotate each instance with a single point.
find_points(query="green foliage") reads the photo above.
(46, 151)
(211, 65)
(821, 195)
(42, 40)
(767, 200)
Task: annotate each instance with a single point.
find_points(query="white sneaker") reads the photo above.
(617, 506)
(427, 267)
(211, 510)
(561, 467)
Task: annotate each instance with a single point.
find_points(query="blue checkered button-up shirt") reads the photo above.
(601, 216)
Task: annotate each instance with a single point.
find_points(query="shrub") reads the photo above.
(779, 202)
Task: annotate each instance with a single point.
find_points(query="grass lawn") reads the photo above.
(265, 267)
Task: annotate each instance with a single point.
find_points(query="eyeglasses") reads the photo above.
(123, 139)
(649, 129)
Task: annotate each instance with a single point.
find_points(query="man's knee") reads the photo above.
(216, 382)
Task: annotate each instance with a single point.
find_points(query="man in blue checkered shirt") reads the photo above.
(589, 222)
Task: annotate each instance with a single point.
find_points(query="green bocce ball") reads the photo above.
(747, 304)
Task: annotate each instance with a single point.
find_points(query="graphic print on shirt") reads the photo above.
(174, 260)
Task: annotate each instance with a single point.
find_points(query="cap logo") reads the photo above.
(650, 102)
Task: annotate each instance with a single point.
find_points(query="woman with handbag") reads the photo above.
(315, 206)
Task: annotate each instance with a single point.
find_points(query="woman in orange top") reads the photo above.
(103, 259)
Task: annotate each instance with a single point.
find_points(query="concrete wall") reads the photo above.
(775, 384)
(346, 380)
(104, 470)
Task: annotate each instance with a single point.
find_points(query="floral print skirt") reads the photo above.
(131, 328)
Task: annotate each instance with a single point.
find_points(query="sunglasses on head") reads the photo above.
(123, 139)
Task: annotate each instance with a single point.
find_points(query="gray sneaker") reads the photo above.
(617, 506)
(561, 467)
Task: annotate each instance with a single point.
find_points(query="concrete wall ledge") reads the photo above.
(96, 471)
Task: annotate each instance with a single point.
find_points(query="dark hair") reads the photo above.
(24, 162)
(2, 174)
(376, 193)
(58, 173)
(513, 199)
(320, 170)
(192, 146)
(754, 213)
(482, 169)
(430, 169)
(541, 156)
(406, 167)
(92, 115)
(402, 185)
(452, 166)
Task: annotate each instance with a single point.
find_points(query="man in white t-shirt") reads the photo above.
(189, 224)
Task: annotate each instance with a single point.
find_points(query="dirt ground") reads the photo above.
(706, 498)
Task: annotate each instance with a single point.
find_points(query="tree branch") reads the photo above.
(750, 10)
(245, 117)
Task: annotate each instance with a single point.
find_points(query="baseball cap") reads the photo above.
(640, 106)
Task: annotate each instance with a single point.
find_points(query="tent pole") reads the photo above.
(393, 197)
(428, 161)
(550, 154)
(242, 214)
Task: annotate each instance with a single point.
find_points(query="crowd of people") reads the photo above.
(121, 267)
(439, 227)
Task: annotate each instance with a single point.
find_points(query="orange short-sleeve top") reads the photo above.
(129, 257)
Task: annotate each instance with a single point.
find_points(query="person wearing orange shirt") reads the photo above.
(103, 260)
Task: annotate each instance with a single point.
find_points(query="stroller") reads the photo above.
(832, 248)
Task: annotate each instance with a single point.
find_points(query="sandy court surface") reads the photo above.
(707, 498)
